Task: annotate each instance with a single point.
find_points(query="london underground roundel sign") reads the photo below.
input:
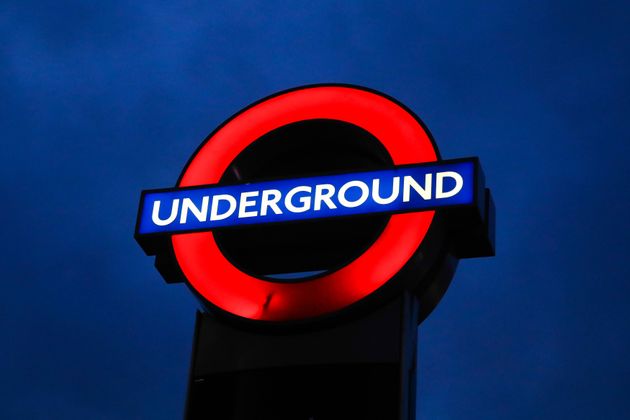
(312, 201)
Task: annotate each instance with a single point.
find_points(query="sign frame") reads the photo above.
(421, 254)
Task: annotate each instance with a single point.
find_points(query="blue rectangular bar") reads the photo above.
(401, 189)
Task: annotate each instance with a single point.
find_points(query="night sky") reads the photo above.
(99, 100)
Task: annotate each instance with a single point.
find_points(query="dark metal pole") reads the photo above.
(363, 368)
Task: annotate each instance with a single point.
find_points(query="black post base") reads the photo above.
(362, 369)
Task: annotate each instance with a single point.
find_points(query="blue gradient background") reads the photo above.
(99, 100)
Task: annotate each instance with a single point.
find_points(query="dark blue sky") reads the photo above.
(99, 100)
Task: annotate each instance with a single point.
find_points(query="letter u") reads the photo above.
(376, 193)
(155, 217)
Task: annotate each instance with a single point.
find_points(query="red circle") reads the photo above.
(224, 285)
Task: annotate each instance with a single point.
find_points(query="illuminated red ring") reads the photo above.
(224, 285)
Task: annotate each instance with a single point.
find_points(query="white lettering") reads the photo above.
(365, 192)
(409, 182)
(306, 201)
(439, 184)
(155, 217)
(214, 211)
(244, 204)
(268, 202)
(395, 191)
(321, 196)
(188, 205)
